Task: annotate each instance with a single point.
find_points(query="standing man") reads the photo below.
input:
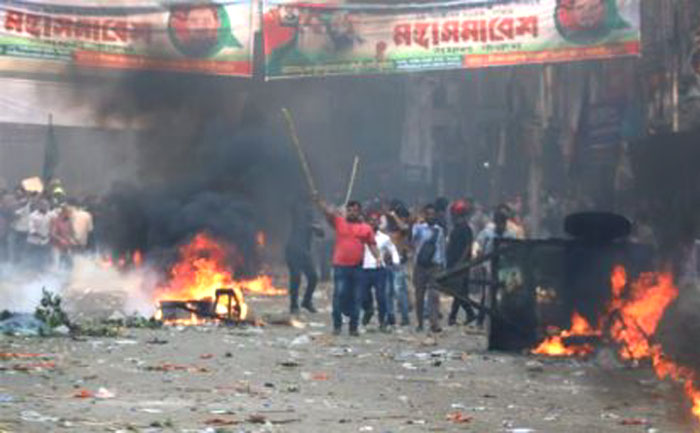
(39, 235)
(429, 244)
(82, 224)
(399, 228)
(459, 250)
(298, 256)
(486, 242)
(62, 237)
(375, 276)
(351, 236)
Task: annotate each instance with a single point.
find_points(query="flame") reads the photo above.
(203, 268)
(632, 317)
(634, 321)
(635, 317)
(555, 345)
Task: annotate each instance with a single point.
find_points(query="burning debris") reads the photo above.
(202, 285)
(560, 345)
(630, 320)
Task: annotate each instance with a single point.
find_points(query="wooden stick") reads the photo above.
(300, 153)
(351, 184)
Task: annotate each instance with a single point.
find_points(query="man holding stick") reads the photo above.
(351, 236)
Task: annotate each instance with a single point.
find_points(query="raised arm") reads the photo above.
(325, 208)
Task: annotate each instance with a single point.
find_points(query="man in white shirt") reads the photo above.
(39, 235)
(374, 274)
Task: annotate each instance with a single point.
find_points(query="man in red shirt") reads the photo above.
(351, 236)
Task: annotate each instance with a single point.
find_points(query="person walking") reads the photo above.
(459, 250)
(429, 243)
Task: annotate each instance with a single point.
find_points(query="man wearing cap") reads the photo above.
(459, 250)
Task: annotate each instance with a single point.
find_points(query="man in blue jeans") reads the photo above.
(399, 229)
(374, 276)
(351, 236)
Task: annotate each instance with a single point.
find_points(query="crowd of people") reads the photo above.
(41, 227)
(383, 253)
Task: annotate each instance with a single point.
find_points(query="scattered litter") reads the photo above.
(366, 428)
(150, 410)
(301, 340)
(23, 325)
(289, 364)
(104, 394)
(33, 416)
(83, 393)
(409, 366)
(320, 376)
(340, 351)
(429, 341)
(551, 417)
(317, 325)
(634, 421)
(459, 417)
(206, 356)
(157, 340)
(256, 419)
(219, 422)
(221, 412)
(61, 330)
(13, 355)
(6, 398)
(126, 342)
(521, 430)
(177, 367)
(416, 422)
(534, 366)
(32, 366)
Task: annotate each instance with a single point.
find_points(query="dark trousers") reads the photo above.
(466, 306)
(347, 295)
(424, 282)
(374, 279)
(299, 264)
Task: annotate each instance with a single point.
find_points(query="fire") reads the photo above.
(631, 319)
(634, 318)
(556, 345)
(633, 323)
(203, 268)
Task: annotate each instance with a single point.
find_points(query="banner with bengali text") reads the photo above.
(307, 38)
(50, 36)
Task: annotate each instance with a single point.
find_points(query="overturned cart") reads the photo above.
(525, 286)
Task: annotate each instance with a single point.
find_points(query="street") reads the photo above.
(300, 379)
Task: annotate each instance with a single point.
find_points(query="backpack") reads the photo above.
(427, 251)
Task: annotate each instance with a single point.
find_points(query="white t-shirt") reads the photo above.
(39, 228)
(385, 247)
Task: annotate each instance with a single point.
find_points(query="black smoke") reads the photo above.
(209, 159)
